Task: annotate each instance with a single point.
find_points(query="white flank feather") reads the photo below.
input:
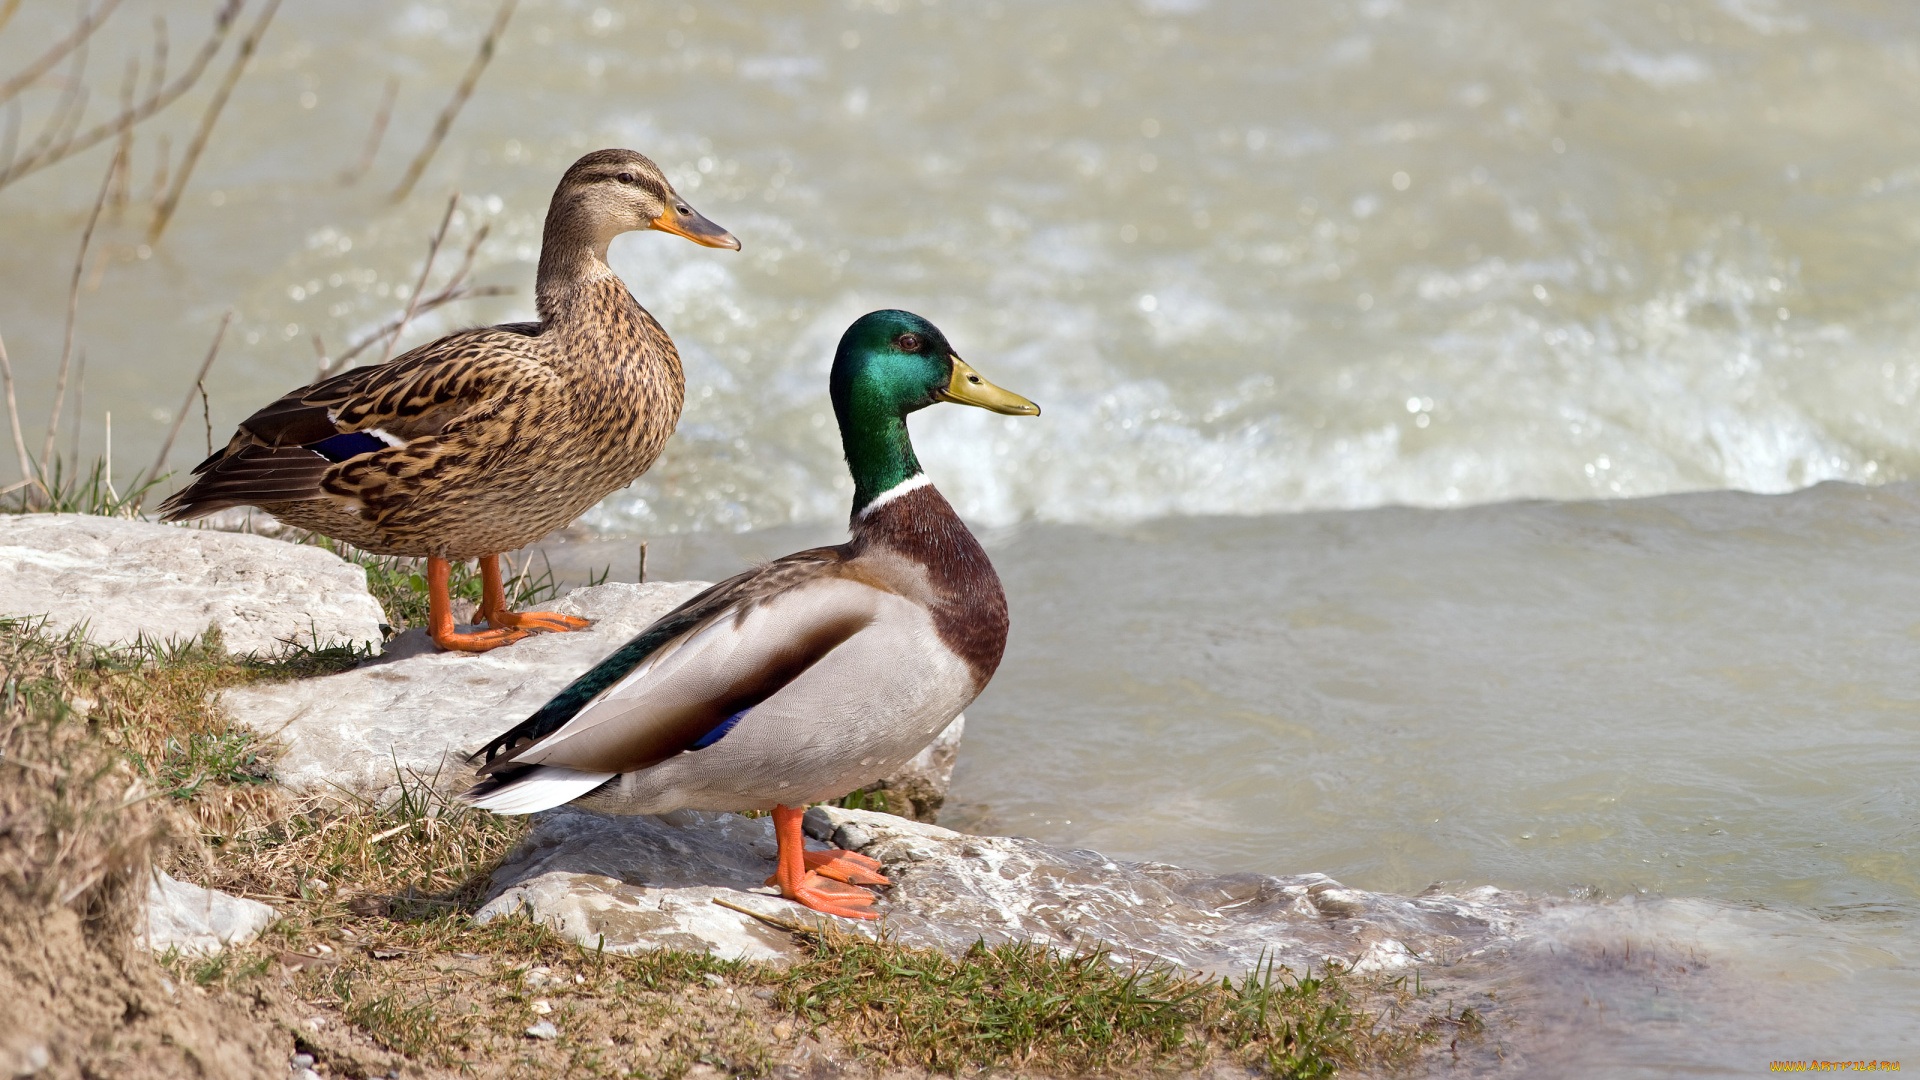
(542, 789)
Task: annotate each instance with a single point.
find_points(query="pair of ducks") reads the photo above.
(793, 683)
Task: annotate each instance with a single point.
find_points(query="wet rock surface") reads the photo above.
(630, 884)
(199, 921)
(127, 579)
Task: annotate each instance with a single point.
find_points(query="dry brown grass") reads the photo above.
(79, 828)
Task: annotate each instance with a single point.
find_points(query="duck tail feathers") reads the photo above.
(532, 789)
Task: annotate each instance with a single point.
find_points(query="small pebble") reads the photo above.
(306, 1074)
(544, 1030)
(717, 980)
(542, 1008)
(782, 1029)
(303, 1061)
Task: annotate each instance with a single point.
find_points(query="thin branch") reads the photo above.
(79, 409)
(413, 299)
(381, 118)
(13, 415)
(62, 118)
(439, 299)
(460, 95)
(123, 178)
(6, 12)
(107, 472)
(213, 350)
(73, 310)
(156, 100)
(209, 118)
(162, 157)
(82, 30)
(320, 357)
(12, 141)
(160, 44)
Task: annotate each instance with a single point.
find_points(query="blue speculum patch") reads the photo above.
(719, 732)
(348, 444)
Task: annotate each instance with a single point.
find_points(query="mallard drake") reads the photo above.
(486, 440)
(807, 677)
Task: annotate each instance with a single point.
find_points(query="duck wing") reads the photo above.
(284, 452)
(681, 681)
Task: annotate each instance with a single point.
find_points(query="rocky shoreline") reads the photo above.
(408, 714)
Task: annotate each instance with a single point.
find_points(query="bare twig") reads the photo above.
(160, 44)
(320, 357)
(13, 415)
(381, 118)
(11, 143)
(159, 97)
(461, 93)
(419, 287)
(218, 102)
(791, 926)
(123, 177)
(162, 157)
(213, 350)
(66, 111)
(439, 299)
(73, 310)
(6, 12)
(454, 289)
(77, 40)
(79, 408)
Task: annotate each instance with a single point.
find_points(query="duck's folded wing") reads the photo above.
(687, 675)
(284, 451)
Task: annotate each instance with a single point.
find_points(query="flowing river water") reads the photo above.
(1315, 297)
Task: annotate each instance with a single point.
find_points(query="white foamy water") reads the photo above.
(1253, 259)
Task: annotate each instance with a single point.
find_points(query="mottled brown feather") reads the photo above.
(507, 432)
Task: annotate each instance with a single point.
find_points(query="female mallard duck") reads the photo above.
(487, 439)
(808, 677)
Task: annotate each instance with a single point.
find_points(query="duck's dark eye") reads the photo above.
(625, 178)
(908, 342)
(683, 208)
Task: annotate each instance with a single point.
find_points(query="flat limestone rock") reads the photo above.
(418, 711)
(633, 884)
(196, 920)
(127, 579)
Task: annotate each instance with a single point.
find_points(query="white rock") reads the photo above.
(634, 884)
(421, 712)
(130, 579)
(198, 921)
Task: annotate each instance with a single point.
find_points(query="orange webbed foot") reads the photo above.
(848, 866)
(479, 640)
(831, 897)
(549, 621)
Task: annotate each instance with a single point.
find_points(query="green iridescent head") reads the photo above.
(891, 363)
